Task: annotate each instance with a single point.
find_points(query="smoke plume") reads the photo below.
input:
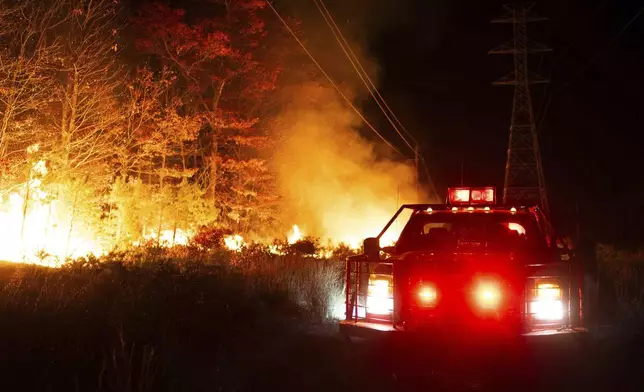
(334, 183)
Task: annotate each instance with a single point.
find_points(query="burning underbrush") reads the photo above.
(52, 223)
(50, 220)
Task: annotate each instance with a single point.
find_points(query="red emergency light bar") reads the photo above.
(468, 195)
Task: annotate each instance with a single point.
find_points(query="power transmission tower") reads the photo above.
(524, 182)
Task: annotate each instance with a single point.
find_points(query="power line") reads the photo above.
(329, 78)
(429, 177)
(373, 90)
(355, 62)
(357, 66)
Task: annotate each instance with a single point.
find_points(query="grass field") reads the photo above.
(129, 324)
(181, 320)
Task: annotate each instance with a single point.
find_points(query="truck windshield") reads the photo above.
(449, 231)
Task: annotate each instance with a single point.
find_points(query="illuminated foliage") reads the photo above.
(147, 149)
(150, 124)
(222, 62)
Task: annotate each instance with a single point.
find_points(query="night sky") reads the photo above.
(429, 58)
(435, 73)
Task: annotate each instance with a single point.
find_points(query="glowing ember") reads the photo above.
(295, 236)
(234, 242)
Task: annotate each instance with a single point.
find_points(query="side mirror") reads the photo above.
(372, 248)
(563, 248)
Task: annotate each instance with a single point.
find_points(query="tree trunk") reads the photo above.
(71, 224)
(119, 229)
(161, 188)
(65, 115)
(212, 169)
(69, 120)
(214, 144)
(160, 225)
(183, 156)
(24, 213)
(8, 114)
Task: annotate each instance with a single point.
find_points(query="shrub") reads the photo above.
(210, 237)
(316, 285)
(308, 246)
(623, 270)
(120, 323)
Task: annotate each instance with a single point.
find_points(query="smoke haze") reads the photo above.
(334, 183)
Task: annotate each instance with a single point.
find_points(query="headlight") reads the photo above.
(380, 296)
(547, 304)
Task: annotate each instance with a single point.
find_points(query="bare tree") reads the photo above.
(140, 109)
(29, 47)
(84, 109)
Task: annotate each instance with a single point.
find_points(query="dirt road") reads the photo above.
(605, 363)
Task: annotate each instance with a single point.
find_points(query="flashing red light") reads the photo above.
(488, 295)
(483, 195)
(471, 195)
(459, 195)
(427, 295)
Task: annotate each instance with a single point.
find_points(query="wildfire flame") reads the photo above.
(40, 229)
(35, 230)
(234, 242)
(295, 236)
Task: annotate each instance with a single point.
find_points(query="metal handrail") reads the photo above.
(359, 270)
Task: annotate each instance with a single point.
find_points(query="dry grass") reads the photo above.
(159, 319)
(623, 272)
(316, 285)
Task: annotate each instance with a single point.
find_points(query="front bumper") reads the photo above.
(554, 332)
(367, 329)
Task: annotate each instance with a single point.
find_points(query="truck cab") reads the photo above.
(468, 265)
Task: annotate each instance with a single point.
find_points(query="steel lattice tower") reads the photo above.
(524, 182)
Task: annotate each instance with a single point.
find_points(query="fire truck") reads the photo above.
(469, 265)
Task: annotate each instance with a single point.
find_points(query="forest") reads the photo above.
(128, 123)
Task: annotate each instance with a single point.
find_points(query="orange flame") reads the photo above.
(36, 230)
(234, 242)
(295, 236)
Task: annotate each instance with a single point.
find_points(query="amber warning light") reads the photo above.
(462, 195)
